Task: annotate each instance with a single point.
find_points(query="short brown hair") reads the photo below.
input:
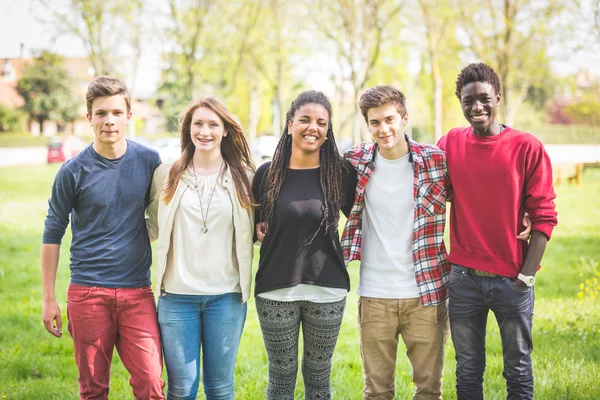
(380, 96)
(106, 86)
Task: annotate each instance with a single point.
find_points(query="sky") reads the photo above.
(19, 23)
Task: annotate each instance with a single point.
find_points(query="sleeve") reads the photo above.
(539, 192)
(60, 205)
(258, 190)
(447, 183)
(152, 210)
(349, 182)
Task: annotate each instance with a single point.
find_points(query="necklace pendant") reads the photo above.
(204, 229)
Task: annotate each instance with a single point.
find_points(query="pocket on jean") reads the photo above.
(78, 293)
(147, 290)
(457, 274)
(372, 310)
(526, 289)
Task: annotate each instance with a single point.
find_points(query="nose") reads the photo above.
(313, 126)
(478, 105)
(204, 130)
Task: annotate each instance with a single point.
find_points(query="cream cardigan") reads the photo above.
(160, 225)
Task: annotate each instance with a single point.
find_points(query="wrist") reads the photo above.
(528, 280)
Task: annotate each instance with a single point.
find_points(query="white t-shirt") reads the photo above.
(387, 269)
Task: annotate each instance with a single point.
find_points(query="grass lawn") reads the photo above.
(35, 365)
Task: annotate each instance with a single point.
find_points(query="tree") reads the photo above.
(46, 87)
(110, 30)
(436, 15)
(512, 36)
(356, 30)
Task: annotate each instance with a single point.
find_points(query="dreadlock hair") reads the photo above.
(330, 166)
(234, 150)
(479, 72)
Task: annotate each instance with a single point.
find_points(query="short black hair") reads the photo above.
(477, 72)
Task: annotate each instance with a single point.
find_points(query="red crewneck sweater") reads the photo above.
(495, 180)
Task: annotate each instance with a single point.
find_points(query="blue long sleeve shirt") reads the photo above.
(106, 201)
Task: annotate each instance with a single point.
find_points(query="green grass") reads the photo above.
(35, 365)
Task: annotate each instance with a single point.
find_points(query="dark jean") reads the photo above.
(471, 298)
(189, 323)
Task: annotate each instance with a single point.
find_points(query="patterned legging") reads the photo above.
(280, 324)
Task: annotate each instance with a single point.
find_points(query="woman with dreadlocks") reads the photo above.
(302, 279)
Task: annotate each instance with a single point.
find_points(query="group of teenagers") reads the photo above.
(207, 209)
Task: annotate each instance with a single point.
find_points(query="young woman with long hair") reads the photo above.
(302, 279)
(203, 211)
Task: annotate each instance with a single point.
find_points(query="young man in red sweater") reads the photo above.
(497, 175)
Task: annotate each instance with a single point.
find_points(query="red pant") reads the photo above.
(102, 318)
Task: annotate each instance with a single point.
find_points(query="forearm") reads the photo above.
(49, 265)
(535, 252)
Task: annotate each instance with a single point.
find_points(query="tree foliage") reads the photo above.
(110, 30)
(11, 120)
(355, 30)
(46, 87)
(513, 37)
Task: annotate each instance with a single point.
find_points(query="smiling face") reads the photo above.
(109, 120)
(386, 125)
(207, 130)
(479, 102)
(308, 128)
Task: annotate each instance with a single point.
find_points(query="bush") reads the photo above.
(12, 120)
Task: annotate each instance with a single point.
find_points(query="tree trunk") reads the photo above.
(253, 116)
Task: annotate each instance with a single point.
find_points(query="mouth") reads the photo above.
(310, 138)
(201, 140)
(478, 117)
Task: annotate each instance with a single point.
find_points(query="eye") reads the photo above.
(324, 124)
(214, 125)
(100, 113)
(374, 123)
(118, 112)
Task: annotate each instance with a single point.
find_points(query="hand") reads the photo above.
(526, 234)
(519, 283)
(261, 231)
(50, 315)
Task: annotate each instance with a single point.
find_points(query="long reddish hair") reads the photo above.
(234, 150)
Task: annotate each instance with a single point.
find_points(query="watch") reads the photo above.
(528, 280)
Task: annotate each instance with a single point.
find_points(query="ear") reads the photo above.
(498, 97)
(405, 119)
(289, 126)
(225, 134)
(89, 118)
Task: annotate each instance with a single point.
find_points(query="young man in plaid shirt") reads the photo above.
(396, 229)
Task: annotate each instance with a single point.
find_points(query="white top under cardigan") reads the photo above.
(161, 219)
(193, 265)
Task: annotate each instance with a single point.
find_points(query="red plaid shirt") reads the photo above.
(431, 188)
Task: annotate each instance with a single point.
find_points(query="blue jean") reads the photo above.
(471, 298)
(189, 323)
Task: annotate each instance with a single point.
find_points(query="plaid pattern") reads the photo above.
(431, 187)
